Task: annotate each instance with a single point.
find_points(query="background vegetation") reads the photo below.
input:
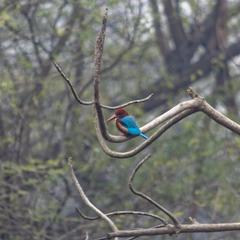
(151, 46)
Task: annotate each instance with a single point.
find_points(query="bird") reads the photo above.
(126, 123)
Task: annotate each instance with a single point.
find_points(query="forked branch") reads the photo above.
(82, 102)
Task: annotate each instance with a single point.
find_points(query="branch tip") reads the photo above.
(192, 93)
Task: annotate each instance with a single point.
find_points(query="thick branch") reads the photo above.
(220, 118)
(147, 142)
(184, 228)
(214, 114)
(194, 103)
(197, 104)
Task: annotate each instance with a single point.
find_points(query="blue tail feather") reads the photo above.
(143, 135)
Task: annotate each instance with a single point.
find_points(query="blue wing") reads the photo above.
(130, 123)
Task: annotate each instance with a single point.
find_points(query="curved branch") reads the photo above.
(87, 201)
(214, 114)
(97, 65)
(117, 213)
(67, 80)
(144, 196)
(82, 102)
(189, 104)
(196, 103)
(127, 103)
(220, 118)
(147, 142)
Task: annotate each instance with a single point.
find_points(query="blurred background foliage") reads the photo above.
(151, 46)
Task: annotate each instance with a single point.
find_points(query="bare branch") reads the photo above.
(144, 196)
(158, 226)
(177, 113)
(82, 102)
(128, 103)
(87, 201)
(220, 118)
(170, 229)
(216, 115)
(117, 213)
(147, 142)
(70, 85)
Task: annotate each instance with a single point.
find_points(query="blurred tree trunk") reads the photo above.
(210, 34)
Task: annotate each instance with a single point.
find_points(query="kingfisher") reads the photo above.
(126, 123)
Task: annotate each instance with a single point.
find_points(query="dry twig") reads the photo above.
(82, 102)
(118, 213)
(88, 203)
(144, 196)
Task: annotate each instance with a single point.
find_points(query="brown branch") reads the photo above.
(144, 196)
(170, 229)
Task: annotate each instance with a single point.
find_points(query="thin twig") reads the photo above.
(177, 113)
(82, 102)
(117, 213)
(57, 66)
(144, 196)
(87, 201)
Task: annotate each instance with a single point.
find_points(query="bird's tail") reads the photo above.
(143, 135)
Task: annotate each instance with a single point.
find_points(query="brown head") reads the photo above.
(119, 113)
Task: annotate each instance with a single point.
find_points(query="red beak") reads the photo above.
(111, 118)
